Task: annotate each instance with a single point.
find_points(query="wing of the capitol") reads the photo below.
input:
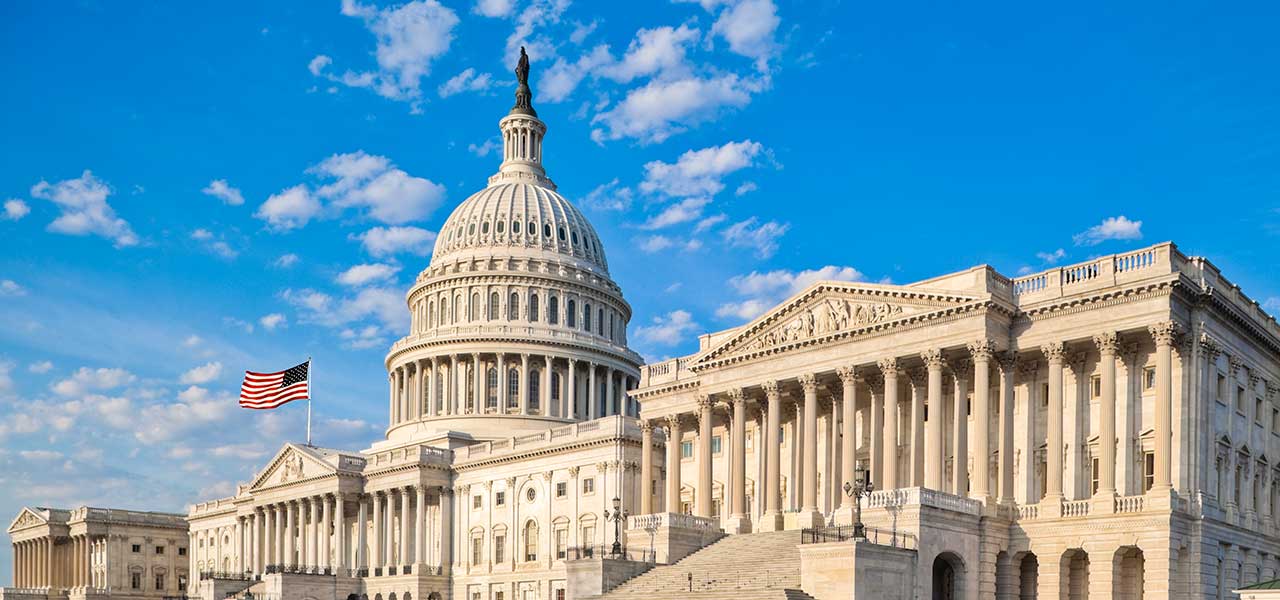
(1109, 429)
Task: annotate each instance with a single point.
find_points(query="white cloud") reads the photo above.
(42, 366)
(219, 188)
(494, 8)
(466, 81)
(192, 341)
(657, 243)
(6, 380)
(1111, 228)
(559, 80)
(385, 241)
(762, 238)
(245, 326)
(289, 209)
(749, 27)
(608, 196)
(536, 15)
(245, 451)
(362, 338)
(202, 234)
(1051, 258)
(85, 380)
(700, 172)
(683, 211)
(367, 273)
(764, 290)
(710, 222)
(196, 409)
(9, 287)
(85, 211)
(667, 330)
(581, 31)
(373, 183)
(663, 108)
(15, 209)
(745, 188)
(219, 247)
(483, 149)
(286, 261)
(203, 373)
(272, 321)
(381, 303)
(409, 38)
(654, 51)
(41, 455)
(1272, 305)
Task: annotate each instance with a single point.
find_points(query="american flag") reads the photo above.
(262, 391)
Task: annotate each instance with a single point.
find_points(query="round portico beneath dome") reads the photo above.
(516, 325)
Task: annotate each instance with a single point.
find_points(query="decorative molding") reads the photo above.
(1165, 333)
(1054, 352)
(932, 358)
(1108, 342)
(809, 382)
(981, 350)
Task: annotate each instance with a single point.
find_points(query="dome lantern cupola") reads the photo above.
(522, 133)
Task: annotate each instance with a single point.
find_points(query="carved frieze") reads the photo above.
(828, 315)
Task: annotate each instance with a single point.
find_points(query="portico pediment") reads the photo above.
(27, 518)
(832, 309)
(292, 463)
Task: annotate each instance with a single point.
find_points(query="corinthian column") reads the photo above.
(1107, 346)
(848, 439)
(1008, 362)
(740, 521)
(981, 351)
(673, 463)
(889, 464)
(772, 519)
(1055, 353)
(933, 433)
(646, 467)
(703, 505)
(809, 515)
(1164, 334)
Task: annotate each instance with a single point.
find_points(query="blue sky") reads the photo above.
(190, 191)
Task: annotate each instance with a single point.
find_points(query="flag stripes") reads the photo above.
(263, 391)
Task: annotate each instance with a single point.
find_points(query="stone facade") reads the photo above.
(1110, 426)
(87, 553)
(511, 430)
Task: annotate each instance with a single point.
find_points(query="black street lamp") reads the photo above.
(617, 516)
(860, 487)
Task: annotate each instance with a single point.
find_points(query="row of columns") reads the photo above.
(44, 563)
(926, 436)
(429, 387)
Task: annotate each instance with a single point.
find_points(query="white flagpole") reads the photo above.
(310, 392)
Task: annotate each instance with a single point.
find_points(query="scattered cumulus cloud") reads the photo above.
(1272, 305)
(466, 81)
(608, 196)
(220, 189)
(761, 238)
(761, 291)
(86, 380)
(483, 149)
(663, 108)
(290, 209)
(700, 172)
(1052, 258)
(582, 30)
(272, 321)
(749, 27)
(83, 203)
(495, 8)
(9, 287)
(667, 330)
(386, 241)
(654, 51)
(42, 366)
(15, 209)
(1111, 228)
(359, 275)
(202, 374)
(682, 211)
(361, 338)
(364, 182)
(745, 188)
(286, 261)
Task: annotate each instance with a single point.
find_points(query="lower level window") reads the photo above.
(135, 581)
(159, 582)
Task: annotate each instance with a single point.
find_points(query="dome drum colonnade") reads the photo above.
(892, 431)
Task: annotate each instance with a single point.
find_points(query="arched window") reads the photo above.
(493, 306)
(555, 386)
(600, 321)
(475, 306)
(586, 316)
(431, 313)
(560, 232)
(546, 230)
(531, 541)
(553, 310)
(571, 316)
(515, 227)
(513, 388)
(533, 308)
(491, 389)
(502, 226)
(457, 309)
(513, 307)
(533, 228)
(535, 387)
(613, 329)
(484, 227)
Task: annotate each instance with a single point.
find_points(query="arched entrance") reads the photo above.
(1028, 576)
(1130, 569)
(1074, 575)
(948, 577)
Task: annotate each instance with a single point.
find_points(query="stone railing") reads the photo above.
(1075, 508)
(1105, 271)
(514, 331)
(922, 497)
(1130, 504)
(667, 371)
(1028, 512)
(672, 520)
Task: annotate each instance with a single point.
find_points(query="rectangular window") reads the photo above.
(159, 582)
(182, 582)
(137, 548)
(477, 502)
(475, 596)
(1044, 395)
(686, 449)
(182, 551)
(1275, 421)
(498, 595)
(588, 535)
(560, 594)
(686, 508)
(1148, 471)
(477, 550)
(589, 485)
(1222, 388)
(1095, 386)
(1240, 398)
(562, 489)
(750, 440)
(562, 543)
(715, 444)
(1257, 410)
(159, 549)
(1149, 378)
(135, 580)
(499, 548)
(782, 436)
(1094, 477)
(499, 498)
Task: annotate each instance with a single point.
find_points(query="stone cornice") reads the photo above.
(544, 451)
(448, 281)
(665, 389)
(633, 361)
(1101, 299)
(1232, 314)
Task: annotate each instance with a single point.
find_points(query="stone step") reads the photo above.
(760, 565)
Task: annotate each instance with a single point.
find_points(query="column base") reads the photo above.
(808, 519)
(770, 521)
(844, 515)
(739, 523)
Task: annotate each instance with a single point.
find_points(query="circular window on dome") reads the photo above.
(561, 231)
(501, 224)
(574, 235)
(484, 227)
(533, 228)
(546, 230)
(531, 494)
(471, 229)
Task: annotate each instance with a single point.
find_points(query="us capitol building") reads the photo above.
(1104, 430)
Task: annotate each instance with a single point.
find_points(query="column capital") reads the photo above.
(737, 397)
(1164, 332)
(918, 376)
(809, 382)
(888, 365)
(1210, 346)
(1108, 342)
(932, 358)
(1055, 352)
(646, 426)
(770, 388)
(673, 422)
(848, 374)
(981, 350)
(705, 402)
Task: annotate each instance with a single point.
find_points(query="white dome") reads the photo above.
(519, 219)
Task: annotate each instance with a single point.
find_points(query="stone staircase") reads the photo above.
(738, 567)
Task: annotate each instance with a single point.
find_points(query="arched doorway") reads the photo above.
(1074, 575)
(948, 574)
(1028, 576)
(433, 596)
(1130, 569)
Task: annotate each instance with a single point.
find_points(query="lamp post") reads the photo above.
(617, 516)
(860, 486)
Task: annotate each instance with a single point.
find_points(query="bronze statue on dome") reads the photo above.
(524, 96)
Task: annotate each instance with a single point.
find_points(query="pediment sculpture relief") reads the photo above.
(292, 468)
(26, 519)
(827, 316)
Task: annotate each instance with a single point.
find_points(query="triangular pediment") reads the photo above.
(292, 463)
(834, 308)
(27, 518)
